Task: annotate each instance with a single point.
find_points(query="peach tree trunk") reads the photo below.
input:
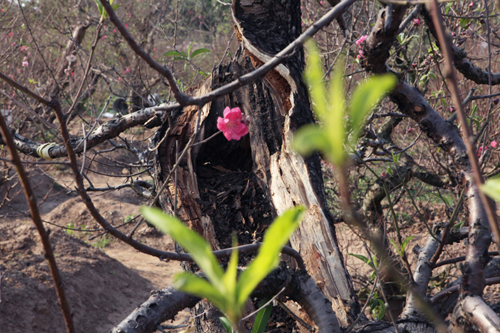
(241, 186)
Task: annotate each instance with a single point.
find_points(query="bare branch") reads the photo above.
(35, 216)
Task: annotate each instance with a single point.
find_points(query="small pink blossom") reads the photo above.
(11, 34)
(23, 48)
(361, 40)
(125, 25)
(231, 125)
(411, 129)
(19, 70)
(3, 10)
(71, 73)
(127, 70)
(104, 37)
(25, 62)
(480, 150)
(471, 5)
(321, 2)
(129, 15)
(416, 22)
(384, 174)
(14, 44)
(114, 31)
(199, 17)
(493, 144)
(119, 79)
(361, 54)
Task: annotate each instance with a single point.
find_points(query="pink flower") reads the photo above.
(119, 79)
(384, 174)
(23, 48)
(25, 64)
(231, 125)
(361, 40)
(416, 22)
(361, 54)
(114, 31)
(493, 144)
(127, 70)
(19, 70)
(71, 73)
(11, 34)
(480, 150)
(410, 130)
(125, 25)
(321, 2)
(104, 37)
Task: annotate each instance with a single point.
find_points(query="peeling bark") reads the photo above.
(474, 314)
(262, 162)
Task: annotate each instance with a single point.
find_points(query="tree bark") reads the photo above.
(225, 187)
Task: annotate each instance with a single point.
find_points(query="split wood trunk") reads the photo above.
(241, 186)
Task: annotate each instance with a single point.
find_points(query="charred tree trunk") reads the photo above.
(240, 186)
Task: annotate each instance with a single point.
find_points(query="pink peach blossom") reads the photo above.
(231, 125)
(493, 144)
(361, 40)
(416, 22)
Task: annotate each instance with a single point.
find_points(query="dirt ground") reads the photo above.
(106, 279)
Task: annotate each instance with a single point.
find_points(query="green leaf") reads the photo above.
(492, 189)
(231, 273)
(396, 246)
(192, 242)
(199, 51)
(464, 22)
(365, 97)
(335, 121)
(262, 317)
(372, 264)
(395, 158)
(310, 138)
(172, 53)
(313, 76)
(267, 259)
(378, 309)
(360, 257)
(400, 37)
(189, 50)
(226, 323)
(405, 243)
(115, 7)
(195, 285)
(448, 6)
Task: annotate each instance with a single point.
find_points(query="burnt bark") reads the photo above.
(241, 186)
